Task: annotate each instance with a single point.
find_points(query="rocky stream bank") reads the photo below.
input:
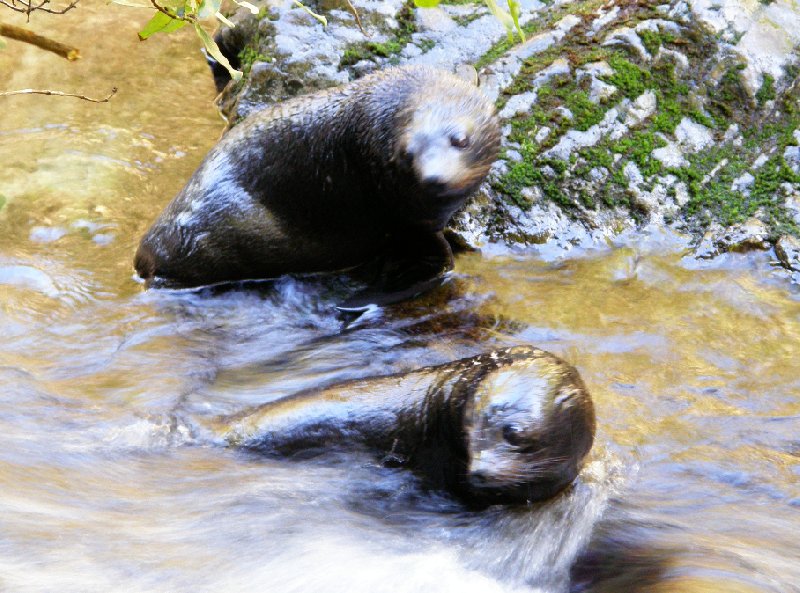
(617, 115)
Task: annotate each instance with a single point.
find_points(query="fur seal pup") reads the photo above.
(329, 181)
(509, 426)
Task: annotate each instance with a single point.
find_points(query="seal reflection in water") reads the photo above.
(510, 426)
(329, 181)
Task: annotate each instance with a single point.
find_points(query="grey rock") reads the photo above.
(787, 249)
(751, 234)
(792, 157)
(743, 183)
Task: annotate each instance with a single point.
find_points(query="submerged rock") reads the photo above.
(28, 277)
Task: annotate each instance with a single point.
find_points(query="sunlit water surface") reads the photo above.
(694, 484)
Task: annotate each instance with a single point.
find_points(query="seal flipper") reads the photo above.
(414, 263)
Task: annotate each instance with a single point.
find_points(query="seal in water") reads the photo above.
(510, 426)
(329, 181)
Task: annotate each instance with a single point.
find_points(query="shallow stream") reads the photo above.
(694, 482)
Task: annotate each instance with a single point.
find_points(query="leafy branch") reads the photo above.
(172, 15)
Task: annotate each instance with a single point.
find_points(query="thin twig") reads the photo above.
(45, 43)
(358, 18)
(171, 14)
(28, 7)
(58, 94)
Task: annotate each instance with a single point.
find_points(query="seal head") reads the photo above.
(448, 142)
(528, 424)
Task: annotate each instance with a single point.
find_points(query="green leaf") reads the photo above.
(221, 18)
(160, 23)
(142, 4)
(319, 17)
(514, 9)
(215, 52)
(426, 3)
(253, 9)
(501, 15)
(208, 8)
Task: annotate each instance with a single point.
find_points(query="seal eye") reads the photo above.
(512, 433)
(459, 141)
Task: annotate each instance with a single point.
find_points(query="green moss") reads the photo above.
(581, 56)
(712, 195)
(702, 119)
(792, 71)
(466, 19)
(638, 148)
(528, 173)
(595, 156)
(367, 50)
(769, 177)
(504, 45)
(629, 78)
(585, 113)
(387, 49)
(249, 56)
(561, 92)
(586, 10)
(652, 40)
(427, 45)
(500, 48)
(767, 90)
(729, 94)
(709, 95)
(618, 175)
(354, 54)
(552, 189)
(405, 20)
(265, 13)
(669, 114)
(519, 176)
(587, 199)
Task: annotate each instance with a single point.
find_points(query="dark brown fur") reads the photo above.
(319, 183)
(509, 426)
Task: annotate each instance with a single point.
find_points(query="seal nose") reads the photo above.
(479, 479)
(434, 185)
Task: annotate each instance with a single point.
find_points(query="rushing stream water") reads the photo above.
(693, 486)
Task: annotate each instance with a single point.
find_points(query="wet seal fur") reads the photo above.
(505, 427)
(329, 181)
